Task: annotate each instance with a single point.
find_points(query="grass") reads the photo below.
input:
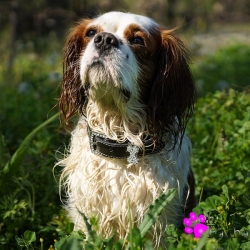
(29, 192)
(31, 214)
(228, 68)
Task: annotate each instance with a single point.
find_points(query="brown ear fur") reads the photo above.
(73, 96)
(172, 96)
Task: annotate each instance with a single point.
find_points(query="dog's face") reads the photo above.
(130, 64)
(119, 59)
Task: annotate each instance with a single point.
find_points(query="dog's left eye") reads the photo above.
(136, 40)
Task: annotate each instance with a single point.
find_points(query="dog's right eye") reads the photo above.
(91, 33)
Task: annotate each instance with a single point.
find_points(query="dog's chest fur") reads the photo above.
(110, 189)
(129, 79)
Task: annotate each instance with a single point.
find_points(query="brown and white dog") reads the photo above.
(129, 80)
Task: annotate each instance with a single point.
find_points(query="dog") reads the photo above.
(128, 80)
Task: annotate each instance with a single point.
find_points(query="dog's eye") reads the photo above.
(137, 40)
(91, 33)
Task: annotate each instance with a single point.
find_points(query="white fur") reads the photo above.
(111, 188)
(118, 21)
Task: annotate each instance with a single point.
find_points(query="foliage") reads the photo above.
(227, 221)
(218, 159)
(229, 228)
(16, 160)
(27, 239)
(28, 190)
(155, 210)
(227, 68)
(221, 140)
(30, 204)
(135, 239)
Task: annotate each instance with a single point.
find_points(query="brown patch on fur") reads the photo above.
(146, 56)
(171, 101)
(73, 97)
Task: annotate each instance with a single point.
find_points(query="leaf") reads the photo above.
(109, 242)
(198, 209)
(3, 151)
(20, 241)
(29, 236)
(155, 210)
(245, 246)
(59, 244)
(225, 191)
(203, 240)
(211, 203)
(71, 242)
(172, 235)
(67, 244)
(91, 232)
(17, 158)
(135, 239)
(118, 245)
(70, 227)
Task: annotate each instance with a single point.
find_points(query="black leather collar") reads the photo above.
(101, 145)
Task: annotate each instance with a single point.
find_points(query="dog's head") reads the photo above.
(132, 67)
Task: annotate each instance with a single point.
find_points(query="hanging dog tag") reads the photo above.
(133, 150)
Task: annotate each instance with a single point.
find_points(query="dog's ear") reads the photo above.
(73, 96)
(172, 95)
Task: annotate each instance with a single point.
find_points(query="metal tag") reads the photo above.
(133, 150)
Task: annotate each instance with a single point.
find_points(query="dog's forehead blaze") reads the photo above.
(117, 22)
(126, 26)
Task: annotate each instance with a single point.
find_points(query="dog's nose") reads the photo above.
(105, 41)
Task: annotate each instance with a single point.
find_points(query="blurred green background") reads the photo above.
(32, 35)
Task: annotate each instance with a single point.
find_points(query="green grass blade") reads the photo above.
(203, 240)
(17, 158)
(4, 153)
(134, 239)
(15, 161)
(155, 210)
(91, 232)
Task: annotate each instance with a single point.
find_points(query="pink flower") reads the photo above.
(195, 224)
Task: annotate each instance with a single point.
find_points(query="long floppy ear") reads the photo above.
(172, 96)
(73, 96)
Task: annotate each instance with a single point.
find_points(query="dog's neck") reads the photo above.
(102, 145)
(126, 122)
